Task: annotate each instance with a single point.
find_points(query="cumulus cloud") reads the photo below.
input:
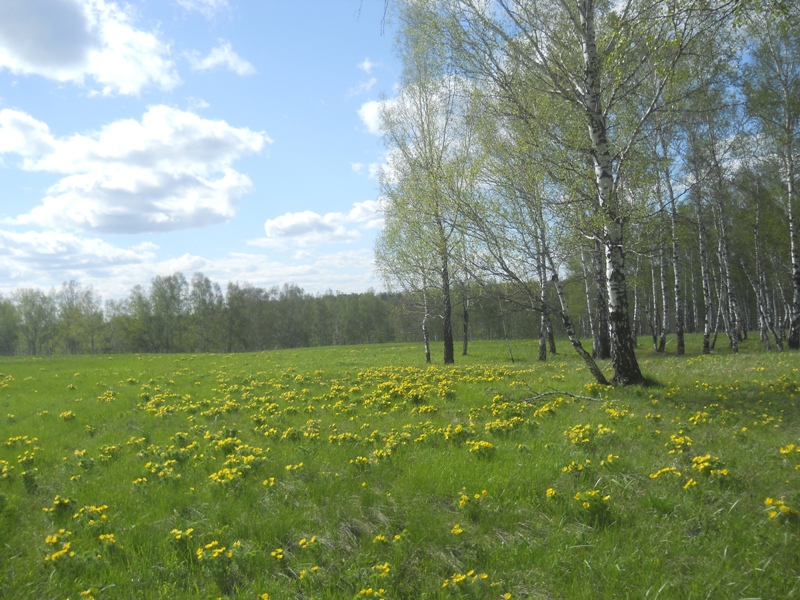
(307, 228)
(351, 271)
(20, 133)
(367, 214)
(170, 170)
(370, 115)
(46, 259)
(46, 34)
(222, 55)
(363, 258)
(146, 247)
(57, 250)
(72, 40)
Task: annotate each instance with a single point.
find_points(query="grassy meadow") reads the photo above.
(360, 472)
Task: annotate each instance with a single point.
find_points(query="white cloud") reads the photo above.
(307, 228)
(222, 55)
(370, 114)
(362, 88)
(45, 260)
(352, 271)
(367, 214)
(373, 170)
(363, 258)
(196, 104)
(170, 170)
(72, 40)
(208, 8)
(60, 249)
(51, 35)
(146, 247)
(367, 65)
(24, 135)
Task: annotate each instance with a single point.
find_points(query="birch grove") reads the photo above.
(608, 111)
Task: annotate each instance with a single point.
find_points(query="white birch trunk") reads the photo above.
(589, 306)
(695, 312)
(663, 272)
(623, 358)
(794, 327)
(705, 275)
(602, 341)
(729, 299)
(680, 313)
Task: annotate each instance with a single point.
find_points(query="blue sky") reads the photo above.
(237, 138)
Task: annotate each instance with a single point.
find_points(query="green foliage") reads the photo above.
(359, 472)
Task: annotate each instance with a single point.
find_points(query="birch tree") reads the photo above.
(592, 57)
(666, 171)
(431, 168)
(515, 249)
(405, 262)
(772, 90)
(511, 227)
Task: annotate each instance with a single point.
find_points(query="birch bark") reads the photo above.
(678, 294)
(705, 275)
(623, 357)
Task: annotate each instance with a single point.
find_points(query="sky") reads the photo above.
(236, 138)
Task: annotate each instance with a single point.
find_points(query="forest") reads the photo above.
(594, 171)
(646, 148)
(175, 314)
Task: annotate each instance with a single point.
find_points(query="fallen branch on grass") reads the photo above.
(558, 393)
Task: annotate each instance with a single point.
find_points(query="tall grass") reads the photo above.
(360, 472)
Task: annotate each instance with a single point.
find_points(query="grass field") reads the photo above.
(359, 472)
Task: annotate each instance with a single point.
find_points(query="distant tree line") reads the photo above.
(176, 314)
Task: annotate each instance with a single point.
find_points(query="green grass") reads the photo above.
(358, 472)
